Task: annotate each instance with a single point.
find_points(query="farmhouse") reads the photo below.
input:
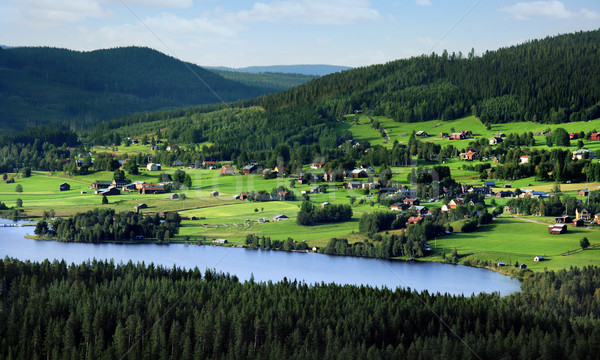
(583, 192)
(538, 258)
(457, 136)
(153, 167)
(557, 229)
(64, 187)
(578, 222)
(490, 183)
(280, 217)
(354, 185)
(119, 183)
(443, 135)
(214, 193)
(302, 181)
(583, 214)
(370, 185)
(280, 169)
(421, 210)
(524, 159)
(317, 165)
(152, 190)
(207, 163)
(573, 136)
(172, 148)
(398, 207)
(421, 134)
(414, 220)
(177, 162)
(504, 194)
(583, 154)
(108, 192)
(249, 169)
(595, 136)
(359, 173)
(227, 170)
(496, 140)
(100, 184)
(469, 156)
(563, 219)
(219, 241)
(411, 202)
(174, 196)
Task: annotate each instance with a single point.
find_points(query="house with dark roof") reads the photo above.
(64, 187)
(280, 217)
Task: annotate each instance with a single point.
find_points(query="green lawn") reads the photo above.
(509, 240)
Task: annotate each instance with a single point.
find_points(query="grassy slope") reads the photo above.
(362, 130)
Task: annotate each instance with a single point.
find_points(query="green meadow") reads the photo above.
(513, 240)
(362, 130)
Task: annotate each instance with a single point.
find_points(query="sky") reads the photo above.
(236, 33)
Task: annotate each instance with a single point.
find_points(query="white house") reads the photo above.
(153, 167)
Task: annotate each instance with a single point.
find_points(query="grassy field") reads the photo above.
(362, 130)
(513, 240)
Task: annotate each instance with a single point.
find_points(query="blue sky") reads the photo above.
(244, 33)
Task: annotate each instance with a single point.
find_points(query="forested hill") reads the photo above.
(553, 80)
(40, 85)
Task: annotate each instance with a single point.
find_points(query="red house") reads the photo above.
(414, 220)
(595, 136)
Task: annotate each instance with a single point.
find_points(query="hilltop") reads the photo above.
(553, 80)
(42, 85)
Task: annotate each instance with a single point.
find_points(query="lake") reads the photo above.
(267, 265)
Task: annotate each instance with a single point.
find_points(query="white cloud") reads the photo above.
(167, 4)
(589, 14)
(424, 2)
(547, 9)
(45, 13)
(309, 12)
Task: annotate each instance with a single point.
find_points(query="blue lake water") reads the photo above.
(269, 265)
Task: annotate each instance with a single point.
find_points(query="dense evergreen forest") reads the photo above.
(99, 225)
(101, 311)
(553, 80)
(42, 85)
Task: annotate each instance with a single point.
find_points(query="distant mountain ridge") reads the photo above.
(318, 69)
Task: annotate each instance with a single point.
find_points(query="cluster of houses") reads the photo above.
(582, 217)
(114, 187)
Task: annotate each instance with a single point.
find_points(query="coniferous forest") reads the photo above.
(100, 310)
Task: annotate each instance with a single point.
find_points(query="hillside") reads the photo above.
(269, 80)
(318, 70)
(554, 80)
(44, 85)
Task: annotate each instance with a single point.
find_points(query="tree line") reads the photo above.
(100, 225)
(101, 310)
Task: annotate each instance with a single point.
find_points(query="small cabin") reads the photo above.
(64, 187)
(538, 258)
(522, 266)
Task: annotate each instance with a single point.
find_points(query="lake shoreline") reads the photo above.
(510, 274)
